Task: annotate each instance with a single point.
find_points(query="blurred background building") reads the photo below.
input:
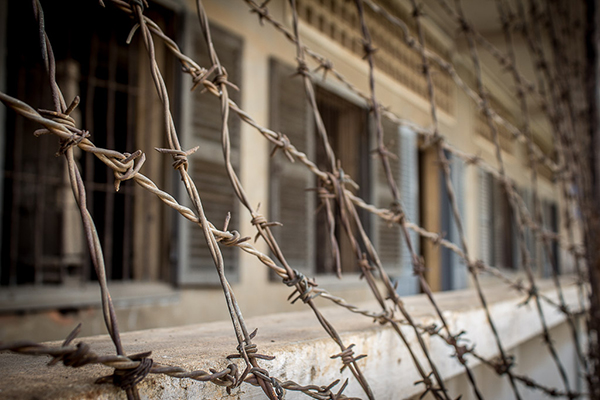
(161, 273)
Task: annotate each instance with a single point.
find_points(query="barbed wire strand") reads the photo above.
(127, 166)
(524, 252)
(444, 165)
(542, 73)
(62, 111)
(468, 158)
(507, 18)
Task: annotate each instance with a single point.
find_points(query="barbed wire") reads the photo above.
(524, 252)
(129, 371)
(470, 159)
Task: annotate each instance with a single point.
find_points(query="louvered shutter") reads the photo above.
(530, 239)
(551, 224)
(517, 257)
(546, 224)
(554, 218)
(409, 192)
(515, 251)
(485, 217)
(290, 202)
(206, 166)
(498, 224)
(388, 238)
(459, 270)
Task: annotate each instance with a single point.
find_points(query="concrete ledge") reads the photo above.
(39, 298)
(301, 347)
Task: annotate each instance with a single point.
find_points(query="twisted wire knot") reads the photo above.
(230, 380)
(77, 358)
(428, 382)
(74, 140)
(302, 69)
(432, 329)
(347, 357)
(368, 48)
(262, 11)
(234, 240)
(432, 140)
(264, 375)
(222, 79)
(532, 293)
(248, 350)
(260, 221)
(77, 135)
(325, 65)
(397, 212)
(438, 239)
(131, 167)
(343, 179)
(303, 289)
(503, 365)
(128, 378)
(418, 265)
(283, 143)
(365, 265)
(476, 267)
(473, 160)
(199, 76)
(461, 350)
(179, 156)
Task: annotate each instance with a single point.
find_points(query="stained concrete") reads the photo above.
(301, 347)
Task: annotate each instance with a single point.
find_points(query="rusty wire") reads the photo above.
(327, 65)
(127, 166)
(263, 14)
(508, 19)
(130, 370)
(524, 252)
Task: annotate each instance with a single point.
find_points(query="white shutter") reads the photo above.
(546, 224)
(409, 194)
(385, 236)
(550, 223)
(206, 166)
(290, 202)
(459, 270)
(555, 223)
(388, 238)
(530, 239)
(485, 217)
(497, 219)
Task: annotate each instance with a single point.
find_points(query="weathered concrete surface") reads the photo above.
(300, 346)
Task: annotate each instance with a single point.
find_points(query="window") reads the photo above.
(550, 256)
(44, 242)
(389, 240)
(290, 202)
(206, 166)
(454, 271)
(346, 126)
(498, 236)
(540, 259)
(304, 240)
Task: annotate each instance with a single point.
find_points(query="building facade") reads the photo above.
(160, 270)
